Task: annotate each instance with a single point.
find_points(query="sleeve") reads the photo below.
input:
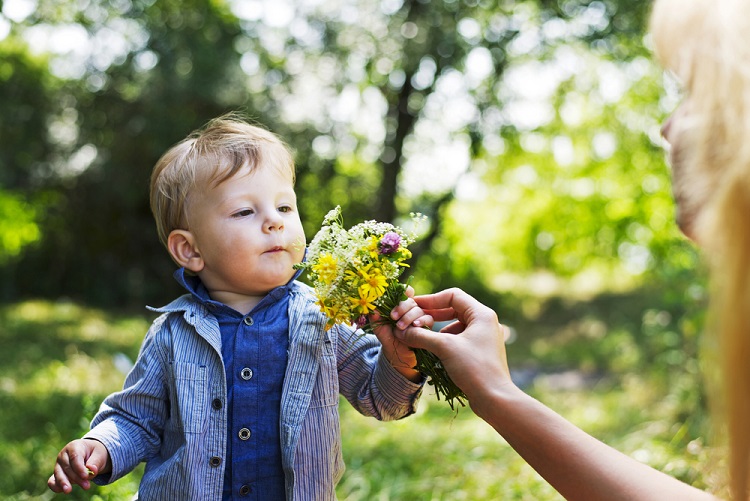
(368, 381)
(130, 422)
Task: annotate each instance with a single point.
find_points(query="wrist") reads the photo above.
(489, 402)
(410, 374)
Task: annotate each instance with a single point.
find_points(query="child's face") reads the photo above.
(248, 233)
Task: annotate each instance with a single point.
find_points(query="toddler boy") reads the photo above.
(235, 389)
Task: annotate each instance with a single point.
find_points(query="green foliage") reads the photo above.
(369, 96)
(586, 193)
(18, 225)
(60, 367)
(119, 116)
(27, 91)
(436, 456)
(29, 96)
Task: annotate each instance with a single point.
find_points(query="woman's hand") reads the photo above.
(406, 313)
(472, 348)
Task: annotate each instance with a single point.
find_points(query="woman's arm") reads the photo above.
(576, 464)
(579, 466)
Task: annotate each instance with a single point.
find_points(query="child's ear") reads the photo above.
(181, 245)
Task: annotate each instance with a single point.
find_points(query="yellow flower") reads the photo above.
(364, 272)
(372, 247)
(363, 304)
(352, 276)
(328, 310)
(405, 254)
(326, 268)
(332, 312)
(374, 283)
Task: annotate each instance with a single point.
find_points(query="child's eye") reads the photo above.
(243, 213)
(285, 208)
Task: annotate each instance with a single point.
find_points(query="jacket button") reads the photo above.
(244, 434)
(216, 404)
(214, 461)
(245, 490)
(246, 373)
(248, 321)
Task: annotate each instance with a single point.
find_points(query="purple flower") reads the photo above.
(361, 321)
(390, 242)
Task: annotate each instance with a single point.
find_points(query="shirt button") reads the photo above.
(248, 320)
(216, 404)
(245, 490)
(214, 461)
(246, 373)
(244, 434)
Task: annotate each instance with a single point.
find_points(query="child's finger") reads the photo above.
(97, 460)
(409, 317)
(404, 307)
(59, 481)
(71, 462)
(78, 454)
(424, 321)
(56, 485)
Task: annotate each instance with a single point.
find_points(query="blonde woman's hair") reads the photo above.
(208, 157)
(705, 43)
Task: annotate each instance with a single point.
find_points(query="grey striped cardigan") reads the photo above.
(163, 415)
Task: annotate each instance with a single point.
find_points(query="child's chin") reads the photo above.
(282, 279)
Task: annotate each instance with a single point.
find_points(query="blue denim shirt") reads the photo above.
(254, 349)
(165, 417)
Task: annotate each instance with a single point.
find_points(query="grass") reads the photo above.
(61, 359)
(436, 455)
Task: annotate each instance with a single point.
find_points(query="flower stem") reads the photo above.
(427, 362)
(429, 365)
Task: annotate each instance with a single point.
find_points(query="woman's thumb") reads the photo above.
(419, 337)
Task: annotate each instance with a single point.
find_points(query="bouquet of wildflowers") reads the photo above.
(356, 272)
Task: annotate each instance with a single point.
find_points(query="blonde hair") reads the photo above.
(704, 42)
(208, 157)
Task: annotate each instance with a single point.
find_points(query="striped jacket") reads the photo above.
(164, 414)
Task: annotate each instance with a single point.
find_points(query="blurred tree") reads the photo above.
(26, 152)
(403, 98)
(391, 106)
(155, 71)
(581, 192)
(29, 92)
(18, 227)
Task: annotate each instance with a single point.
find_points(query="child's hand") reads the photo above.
(407, 313)
(79, 462)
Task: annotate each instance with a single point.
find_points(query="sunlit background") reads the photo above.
(527, 132)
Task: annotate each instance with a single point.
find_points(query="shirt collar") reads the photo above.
(193, 284)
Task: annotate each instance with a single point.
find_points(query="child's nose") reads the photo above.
(274, 222)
